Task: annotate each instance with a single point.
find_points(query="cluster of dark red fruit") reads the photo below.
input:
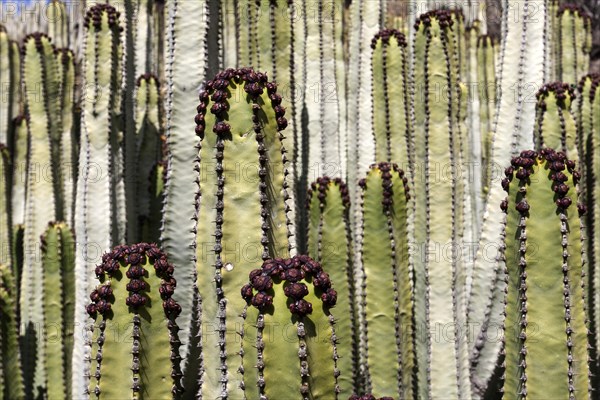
(135, 256)
(444, 18)
(482, 40)
(522, 167)
(37, 36)
(290, 272)
(146, 77)
(560, 90)
(368, 397)
(386, 176)
(321, 185)
(94, 14)
(573, 8)
(215, 90)
(385, 35)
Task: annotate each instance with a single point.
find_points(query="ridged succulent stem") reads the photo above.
(555, 125)
(522, 66)
(68, 139)
(148, 143)
(19, 155)
(186, 64)
(391, 119)
(96, 214)
(288, 321)
(486, 90)
(572, 32)
(42, 204)
(58, 291)
(11, 378)
(439, 273)
(588, 120)
(10, 76)
(5, 212)
(243, 218)
(57, 17)
(387, 338)
(330, 244)
(546, 343)
(136, 346)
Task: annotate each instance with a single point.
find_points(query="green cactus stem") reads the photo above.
(588, 120)
(58, 307)
(20, 156)
(573, 43)
(145, 37)
(241, 207)
(5, 212)
(135, 347)
(42, 83)
(440, 276)
(186, 63)
(42, 194)
(391, 119)
(99, 200)
(17, 257)
(11, 378)
(68, 139)
(366, 19)
(330, 244)
(545, 340)
(486, 92)
(57, 16)
(148, 141)
(522, 66)
(555, 125)
(289, 342)
(387, 331)
(150, 224)
(10, 78)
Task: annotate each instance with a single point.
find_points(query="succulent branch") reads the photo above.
(279, 298)
(19, 161)
(11, 378)
(330, 243)
(545, 341)
(391, 106)
(555, 125)
(387, 321)
(242, 170)
(572, 41)
(439, 216)
(186, 63)
(100, 201)
(135, 347)
(58, 308)
(5, 211)
(588, 120)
